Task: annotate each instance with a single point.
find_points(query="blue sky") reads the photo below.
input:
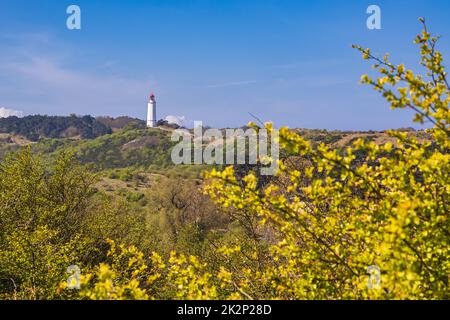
(289, 62)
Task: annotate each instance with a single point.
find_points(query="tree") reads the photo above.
(41, 213)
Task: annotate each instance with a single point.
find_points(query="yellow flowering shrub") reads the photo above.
(131, 276)
(390, 209)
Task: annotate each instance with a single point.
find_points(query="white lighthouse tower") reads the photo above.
(151, 111)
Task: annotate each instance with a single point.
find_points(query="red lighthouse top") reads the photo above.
(152, 96)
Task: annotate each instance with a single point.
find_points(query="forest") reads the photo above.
(37, 127)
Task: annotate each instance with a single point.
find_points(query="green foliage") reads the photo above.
(33, 263)
(41, 212)
(126, 148)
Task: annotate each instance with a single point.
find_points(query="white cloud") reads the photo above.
(5, 113)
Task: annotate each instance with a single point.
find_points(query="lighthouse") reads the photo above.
(151, 111)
